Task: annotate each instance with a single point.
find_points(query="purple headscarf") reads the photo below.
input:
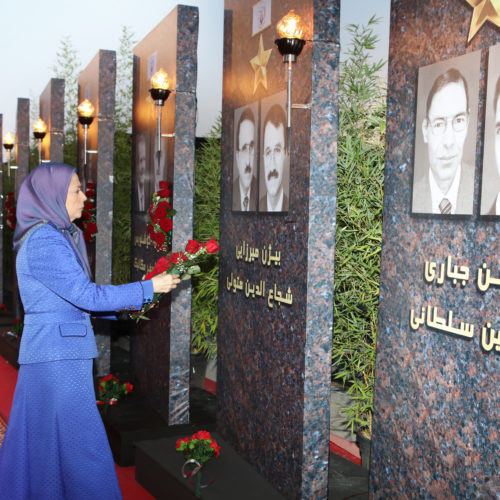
(42, 199)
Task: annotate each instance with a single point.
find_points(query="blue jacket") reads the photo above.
(58, 296)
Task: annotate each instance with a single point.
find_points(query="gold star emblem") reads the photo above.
(484, 10)
(259, 63)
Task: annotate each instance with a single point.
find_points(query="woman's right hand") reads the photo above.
(164, 283)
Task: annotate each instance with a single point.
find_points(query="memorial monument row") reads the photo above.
(436, 390)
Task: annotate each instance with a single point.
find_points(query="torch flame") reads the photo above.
(8, 139)
(86, 108)
(290, 26)
(160, 80)
(40, 126)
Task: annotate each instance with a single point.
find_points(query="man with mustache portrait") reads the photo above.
(275, 156)
(245, 183)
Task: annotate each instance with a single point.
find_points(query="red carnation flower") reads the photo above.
(192, 246)
(177, 257)
(212, 245)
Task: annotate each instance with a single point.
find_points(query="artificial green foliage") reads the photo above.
(361, 158)
(204, 315)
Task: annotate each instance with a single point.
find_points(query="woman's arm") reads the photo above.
(53, 262)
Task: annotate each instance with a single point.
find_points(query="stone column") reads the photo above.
(436, 406)
(276, 316)
(52, 113)
(97, 83)
(160, 348)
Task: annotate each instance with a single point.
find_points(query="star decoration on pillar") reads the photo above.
(259, 63)
(484, 10)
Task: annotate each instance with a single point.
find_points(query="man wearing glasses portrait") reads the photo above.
(245, 183)
(447, 186)
(274, 155)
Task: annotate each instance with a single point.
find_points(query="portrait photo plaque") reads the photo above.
(445, 136)
(490, 185)
(274, 158)
(245, 161)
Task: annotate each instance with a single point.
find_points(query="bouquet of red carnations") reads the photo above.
(198, 450)
(186, 264)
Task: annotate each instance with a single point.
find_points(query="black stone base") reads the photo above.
(158, 470)
(9, 349)
(133, 419)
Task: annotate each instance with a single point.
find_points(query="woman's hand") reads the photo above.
(164, 283)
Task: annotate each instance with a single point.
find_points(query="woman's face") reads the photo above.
(75, 198)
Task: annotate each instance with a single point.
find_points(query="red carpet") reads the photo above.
(131, 490)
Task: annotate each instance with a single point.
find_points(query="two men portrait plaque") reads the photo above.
(445, 136)
(261, 163)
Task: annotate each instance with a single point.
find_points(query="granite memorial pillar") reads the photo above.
(278, 211)
(437, 391)
(52, 113)
(2, 195)
(97, 84)
(160, 348)
(22, 146)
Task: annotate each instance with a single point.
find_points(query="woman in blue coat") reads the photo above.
(55, 446)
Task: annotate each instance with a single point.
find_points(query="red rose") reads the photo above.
(166, 225)
(163, 185)
(106, 378)
(158, 238)
(8, 203)
(91, 185)
(129, 387)
(163, 193)
(192, 246)
(159, 214)
(212, 246)
(91, 227)
(85, 215)
(88, 205)
(100, 388)
(151, 229)
(87, 237)
(89, 193)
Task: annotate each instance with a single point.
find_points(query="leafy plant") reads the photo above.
(361, 157)
(204, 315)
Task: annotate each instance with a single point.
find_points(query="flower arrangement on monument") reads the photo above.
(198, 450)
(110, 390)
(87, 222)
(186, 263)
(10, 211)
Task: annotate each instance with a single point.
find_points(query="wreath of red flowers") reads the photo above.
(160, 218)
(10, 211)
(87, 222)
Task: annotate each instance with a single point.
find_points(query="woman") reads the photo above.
(55, 446)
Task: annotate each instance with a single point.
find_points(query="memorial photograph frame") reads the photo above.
(265, 106)
(490, 174)
(468, 66)
(238, 156)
